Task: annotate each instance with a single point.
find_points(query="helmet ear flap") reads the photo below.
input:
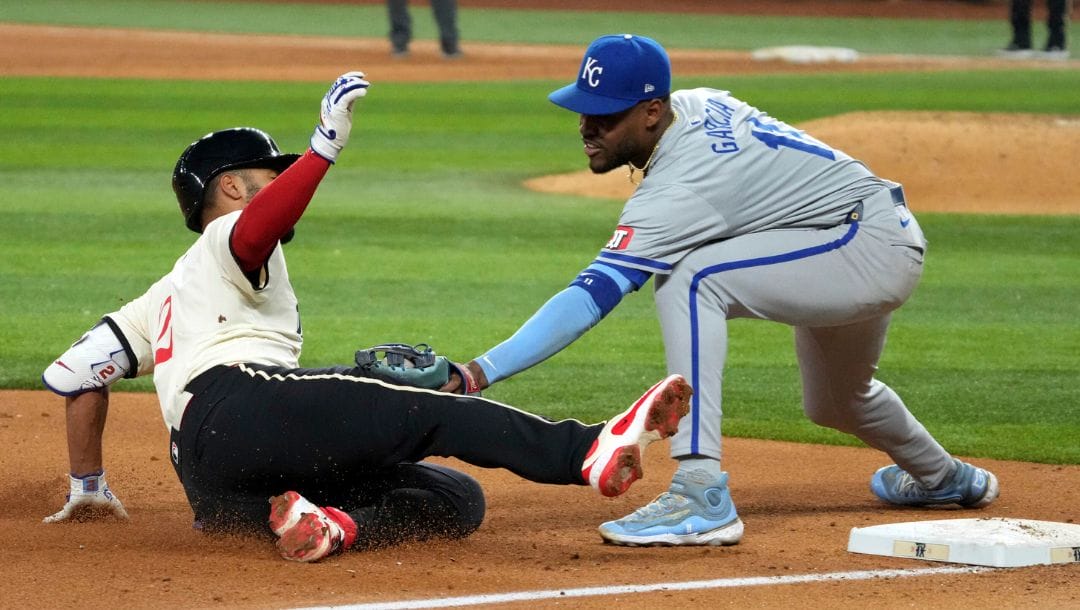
(189, 193)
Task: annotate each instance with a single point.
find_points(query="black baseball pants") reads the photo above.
(342, 439)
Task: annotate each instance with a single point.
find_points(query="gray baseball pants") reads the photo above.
(837, 287)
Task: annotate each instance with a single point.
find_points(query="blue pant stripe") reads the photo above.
(720, 268)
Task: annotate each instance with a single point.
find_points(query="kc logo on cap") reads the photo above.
(617, 72)
(590, 72)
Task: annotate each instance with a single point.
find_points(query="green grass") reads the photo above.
(867, 35)
(423, 233)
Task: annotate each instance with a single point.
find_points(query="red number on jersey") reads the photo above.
(164, 352)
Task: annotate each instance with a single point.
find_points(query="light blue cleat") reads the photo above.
(695, 511)
(968, 486)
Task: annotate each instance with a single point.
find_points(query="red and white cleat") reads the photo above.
(614, 461)
(307, 532)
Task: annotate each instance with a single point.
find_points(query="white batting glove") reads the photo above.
(335, 119)
(89, 497)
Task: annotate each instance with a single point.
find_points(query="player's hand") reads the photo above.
(468, 379)
(335, 117)
(88, 499)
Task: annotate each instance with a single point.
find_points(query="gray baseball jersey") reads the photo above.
(723, 169)
(742, 215)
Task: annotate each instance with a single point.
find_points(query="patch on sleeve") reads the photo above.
(621, 239)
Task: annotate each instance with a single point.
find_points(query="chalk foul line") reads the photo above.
(721, 583)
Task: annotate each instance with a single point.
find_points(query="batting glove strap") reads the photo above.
(88, 493)
(89, 484)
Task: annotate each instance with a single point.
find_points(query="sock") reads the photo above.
(345, 522)
(696, 462)
(950, 473)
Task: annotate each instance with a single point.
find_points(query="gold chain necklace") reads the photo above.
(632, 168)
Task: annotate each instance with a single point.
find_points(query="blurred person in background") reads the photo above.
(445, 13)
(1057, 21)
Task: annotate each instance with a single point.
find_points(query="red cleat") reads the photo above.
(614, 461)
(307, 532)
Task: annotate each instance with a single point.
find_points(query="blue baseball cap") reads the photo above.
(617, 72)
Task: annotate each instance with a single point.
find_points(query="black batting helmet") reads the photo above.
(236, 148)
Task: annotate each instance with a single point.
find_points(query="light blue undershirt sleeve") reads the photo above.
(559, 322)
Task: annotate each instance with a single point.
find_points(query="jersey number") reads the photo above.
(775, 134)
(164, 352)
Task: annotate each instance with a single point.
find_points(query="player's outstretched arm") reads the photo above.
(276, 209)
(558, 323)
(89, 495)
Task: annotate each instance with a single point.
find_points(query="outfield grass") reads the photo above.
(867, 35)
(423, 233)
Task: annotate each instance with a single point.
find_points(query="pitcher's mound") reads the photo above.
(947, 161)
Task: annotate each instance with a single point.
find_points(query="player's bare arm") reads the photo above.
(89, 496)
(85, 415)
(82, 375)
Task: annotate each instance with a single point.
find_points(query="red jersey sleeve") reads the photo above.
(275, 209)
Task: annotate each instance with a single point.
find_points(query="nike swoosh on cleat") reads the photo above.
(905, 222)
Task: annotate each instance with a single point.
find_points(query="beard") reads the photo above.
(621, 155)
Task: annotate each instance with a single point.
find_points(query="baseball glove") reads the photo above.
(405, 364)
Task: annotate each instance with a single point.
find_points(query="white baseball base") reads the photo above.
(995, 542)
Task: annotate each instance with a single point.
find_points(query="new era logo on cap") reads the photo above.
(616, 73)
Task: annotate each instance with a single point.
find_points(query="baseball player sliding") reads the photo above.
(739, 215)
(335, 451)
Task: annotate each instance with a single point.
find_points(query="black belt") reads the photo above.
(855, 215)
(896, 193)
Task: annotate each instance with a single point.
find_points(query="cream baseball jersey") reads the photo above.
(206, 312)
(725, 168)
